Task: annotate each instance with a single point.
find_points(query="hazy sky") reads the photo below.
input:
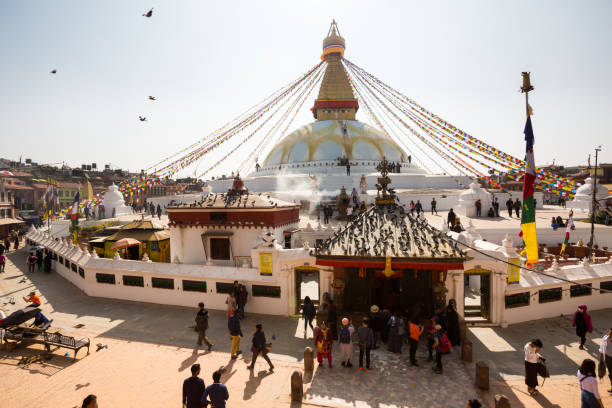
(208, 61)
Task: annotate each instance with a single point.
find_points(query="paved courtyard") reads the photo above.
(151, 347)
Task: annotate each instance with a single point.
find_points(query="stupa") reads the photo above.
(114, 204)
(313, 158)
(583, 200)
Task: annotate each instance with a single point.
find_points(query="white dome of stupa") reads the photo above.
(584, 195)
(113, 200)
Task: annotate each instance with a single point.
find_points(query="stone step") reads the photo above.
(472, 313)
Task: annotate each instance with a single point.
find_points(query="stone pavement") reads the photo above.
(151, 347)
(502, 350)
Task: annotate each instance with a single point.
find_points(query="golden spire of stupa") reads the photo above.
(336, 100)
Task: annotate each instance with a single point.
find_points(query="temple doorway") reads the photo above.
(477, 301)
(306, 284)
(405, 291)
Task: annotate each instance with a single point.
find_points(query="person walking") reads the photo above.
(39, 260)
(159, 211)
(496, 207)
(193, 389)
(509, 206)
(418, 207)
(326, 214)
(411, 207)
(348, 168)
(433, 205)
(605, 354)
(47, 263)
(375, 323)
(332, 319)
(319, 209)
(233, 324)
(259, 346)
(394, 344)
(582, 323)
(532, 350)
(323, 341)
(450, 218)
(215, 392)
(366, 341)
(243, 296)
(2, 261)
(7, 244)
(589, 392)
(231, 303)
(346, 343)
(415, 332)
(478, 207)
(452, 322)
(201, 320)
(517, 208)
(308, 314)
(439, 349)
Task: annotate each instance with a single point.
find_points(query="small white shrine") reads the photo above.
(113, 200)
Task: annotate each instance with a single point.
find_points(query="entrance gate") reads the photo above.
(479, 281)
(306, 284)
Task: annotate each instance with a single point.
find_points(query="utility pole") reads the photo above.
(593, 206)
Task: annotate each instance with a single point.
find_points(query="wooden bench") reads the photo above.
(59, 340)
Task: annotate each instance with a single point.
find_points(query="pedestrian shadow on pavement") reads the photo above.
(227, 371)
(253, 383)
(513, 392)
(191, 360)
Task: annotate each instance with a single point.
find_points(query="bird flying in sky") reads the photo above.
(54, 71)
(142, 118)
(152, 98)
(148, 13)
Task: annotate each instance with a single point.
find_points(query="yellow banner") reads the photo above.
(265, 264)
(514, 270)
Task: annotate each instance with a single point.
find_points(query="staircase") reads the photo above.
(472, 311)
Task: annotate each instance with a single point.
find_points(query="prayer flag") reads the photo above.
(570, 224)
(528, 223)
(74, 213)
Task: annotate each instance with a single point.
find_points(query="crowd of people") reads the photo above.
(389, 327)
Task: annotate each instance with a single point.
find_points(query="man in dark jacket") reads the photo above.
(216, 392)
(517, 208)
(47, 263)
(259, 346)
(450, 219)
(233, 324)
(193, 389)
(509, 206)
(202, 325)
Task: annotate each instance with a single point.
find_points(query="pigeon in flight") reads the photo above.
(142, 118)
(148, 13)
(151, 98)
(54, 71)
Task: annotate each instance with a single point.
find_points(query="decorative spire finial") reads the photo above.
(385, 194)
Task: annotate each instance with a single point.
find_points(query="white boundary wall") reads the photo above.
(90, 266)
